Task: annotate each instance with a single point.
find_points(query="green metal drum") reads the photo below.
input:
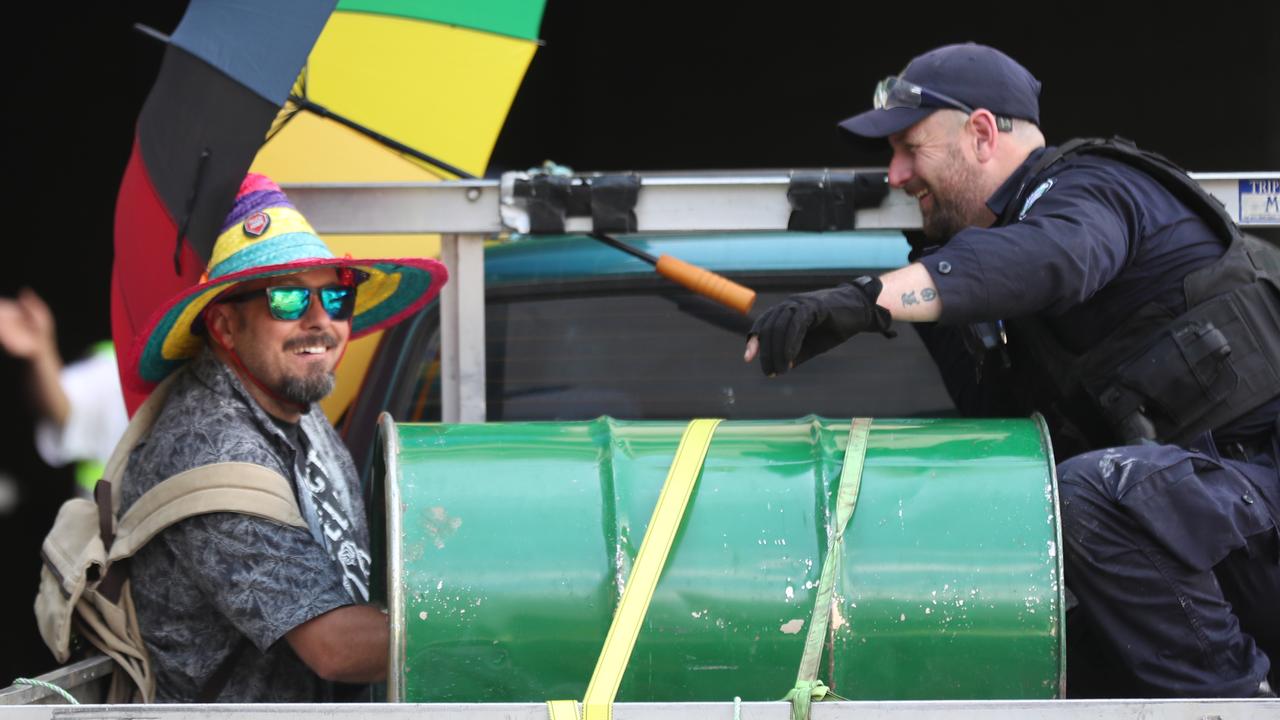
(509, 544)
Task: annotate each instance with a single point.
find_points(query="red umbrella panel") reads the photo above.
(228, 69)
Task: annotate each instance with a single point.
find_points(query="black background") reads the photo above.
(618, 85)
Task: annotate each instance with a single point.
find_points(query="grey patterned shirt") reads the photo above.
(205, 585)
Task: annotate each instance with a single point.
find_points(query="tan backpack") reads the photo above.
(84, 580)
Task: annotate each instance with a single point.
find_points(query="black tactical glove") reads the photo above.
(812, 323)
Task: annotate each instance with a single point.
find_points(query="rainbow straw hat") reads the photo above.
(263, 236)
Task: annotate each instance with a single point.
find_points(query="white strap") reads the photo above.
(138, 428)
(221, 487)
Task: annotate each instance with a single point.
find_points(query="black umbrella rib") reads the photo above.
(325, 112)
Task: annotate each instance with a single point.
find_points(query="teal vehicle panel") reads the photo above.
(512, 542)
(531, 258)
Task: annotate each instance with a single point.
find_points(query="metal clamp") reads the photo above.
(826, 201)
(541, 202)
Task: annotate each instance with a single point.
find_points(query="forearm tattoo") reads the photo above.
(926, 295)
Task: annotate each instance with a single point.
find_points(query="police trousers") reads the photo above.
(1174, 556)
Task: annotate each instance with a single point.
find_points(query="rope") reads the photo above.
(47, 686)
(808, 688)
(802, 696)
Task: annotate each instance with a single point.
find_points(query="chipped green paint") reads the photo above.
(517, 539)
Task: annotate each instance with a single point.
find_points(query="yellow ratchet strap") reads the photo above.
(562, 709)
(658, 538)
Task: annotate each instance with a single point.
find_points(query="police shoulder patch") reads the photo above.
(1035, 195)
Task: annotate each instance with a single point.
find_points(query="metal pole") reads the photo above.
(462, 326)
(685, 203)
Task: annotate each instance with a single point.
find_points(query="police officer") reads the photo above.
(1096, 284)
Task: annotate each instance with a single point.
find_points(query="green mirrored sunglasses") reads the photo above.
(290, 302)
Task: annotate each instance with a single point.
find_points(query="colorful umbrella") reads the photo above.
(228, 68)
(431, 78)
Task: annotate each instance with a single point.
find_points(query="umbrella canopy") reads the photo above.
(434, 76)
(229, 67)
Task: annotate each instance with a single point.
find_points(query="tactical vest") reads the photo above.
(1160, 377)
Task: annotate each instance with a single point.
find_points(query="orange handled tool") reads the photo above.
(699, 280)
(706, 283)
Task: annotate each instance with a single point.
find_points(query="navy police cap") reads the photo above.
(976, 75)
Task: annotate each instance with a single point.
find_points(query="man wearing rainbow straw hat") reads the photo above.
(273, 612)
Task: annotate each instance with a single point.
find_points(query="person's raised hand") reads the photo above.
(27, 327)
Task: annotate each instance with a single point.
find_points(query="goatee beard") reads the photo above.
(308, 389)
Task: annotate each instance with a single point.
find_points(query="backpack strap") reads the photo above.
(139, 426)
(218, 487)
(237, 487)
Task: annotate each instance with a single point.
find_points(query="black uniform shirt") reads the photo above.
(1100, 240)
(1094, 241)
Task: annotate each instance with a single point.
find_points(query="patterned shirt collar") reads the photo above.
(225, 384)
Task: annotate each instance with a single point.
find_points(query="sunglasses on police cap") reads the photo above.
(894, 92)
(290, 302)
